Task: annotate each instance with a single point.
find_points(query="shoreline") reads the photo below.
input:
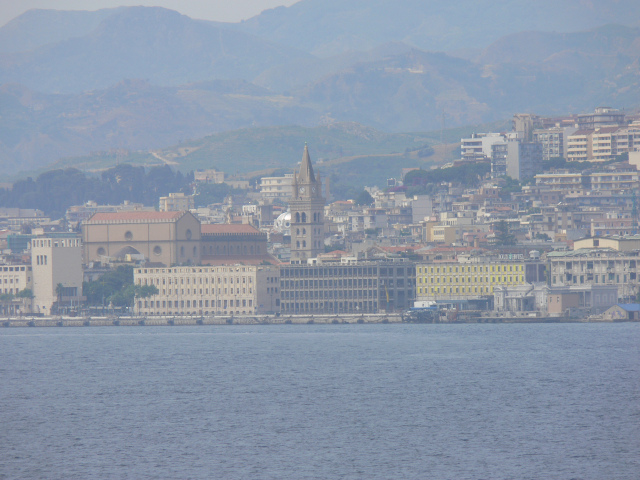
(346, 319)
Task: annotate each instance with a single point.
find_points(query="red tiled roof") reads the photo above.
(125, 217)
(612, 129)
(582, 132)
(226, 228)
(404, 248)
(238, 260)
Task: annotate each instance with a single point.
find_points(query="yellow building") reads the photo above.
(456, 280)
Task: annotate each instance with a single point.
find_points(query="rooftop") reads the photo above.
(229, 229)
(138, 216)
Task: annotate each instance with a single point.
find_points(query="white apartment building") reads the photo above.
(176, 202)
(14, 278)
(277, 187)
(208, 176)
(478, 146)
(203, 290)
(553, 140)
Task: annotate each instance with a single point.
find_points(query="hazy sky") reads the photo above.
(221, 10)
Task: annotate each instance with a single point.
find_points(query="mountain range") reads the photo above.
(141, 78)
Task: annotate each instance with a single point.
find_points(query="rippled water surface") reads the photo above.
(555, 401)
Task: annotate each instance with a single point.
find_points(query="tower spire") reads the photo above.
(306, 170)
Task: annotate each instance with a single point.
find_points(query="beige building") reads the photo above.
(603, 143)
(579, 146)
(622, 244)
(176, 202)
(277, 187)
(598, 266)
(56, 261)
(219, 290)
(170, 238)
(208, 176)
(229, 244)
(564, 181)
(14, 278)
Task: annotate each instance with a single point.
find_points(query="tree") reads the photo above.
(26, 293)
(503, 235)
(6, 297)
(59, 292)
(108, 286)
(364, 198)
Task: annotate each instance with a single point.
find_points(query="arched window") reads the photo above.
(304, 231)
(304, 217)
(297, 217)
(297, 231)
(298, 244)
(304, 244)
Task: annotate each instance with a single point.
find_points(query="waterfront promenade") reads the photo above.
(383, 318)
(103, 321)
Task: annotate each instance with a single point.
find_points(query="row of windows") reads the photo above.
(331, 294)
(67, 242)
(344, 271)
(472, 269)
(197, 280)
(334, 307)
(494, 279)
(195, 303)
(436, 290)
(302, 217)
(221, 291)
(341, 282)
(609, 278)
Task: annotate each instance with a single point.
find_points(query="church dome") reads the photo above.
(282, 224)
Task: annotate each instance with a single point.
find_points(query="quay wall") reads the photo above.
(196, 320)
(138, 321)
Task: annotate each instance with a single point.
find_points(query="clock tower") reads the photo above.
(307, 213)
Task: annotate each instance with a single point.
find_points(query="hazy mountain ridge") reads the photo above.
(36, 28)
(152, 43)
(328, 27)
(203, 78)
(36, 129)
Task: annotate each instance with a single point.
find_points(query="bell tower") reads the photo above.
(307, 213)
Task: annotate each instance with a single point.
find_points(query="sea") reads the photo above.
(463, 401)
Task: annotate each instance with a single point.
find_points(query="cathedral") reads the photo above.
(307, 213)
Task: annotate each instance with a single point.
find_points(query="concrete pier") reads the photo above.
(140, 321)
